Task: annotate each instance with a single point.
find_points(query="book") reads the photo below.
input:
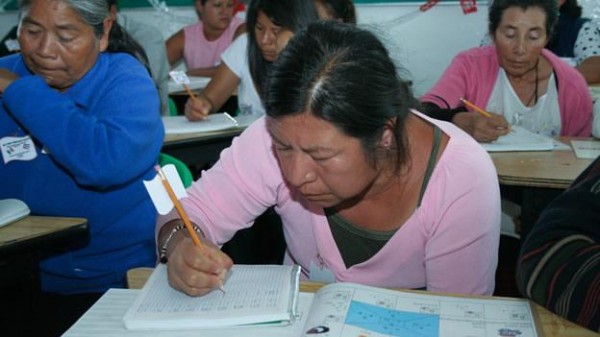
(347, 309)
(265, 294)
(520, 139)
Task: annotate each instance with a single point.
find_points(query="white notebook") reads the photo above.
(520, 139)
(265, 294)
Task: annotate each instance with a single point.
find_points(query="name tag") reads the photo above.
(17, 148)
(12, 45)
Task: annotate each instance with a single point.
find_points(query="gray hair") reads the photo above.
(92, 12)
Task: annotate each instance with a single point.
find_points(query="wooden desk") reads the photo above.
(41, 233)
(547, 169)
(552, 325)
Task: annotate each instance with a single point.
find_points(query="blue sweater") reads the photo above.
(95, 144)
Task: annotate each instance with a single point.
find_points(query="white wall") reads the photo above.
(422, 42)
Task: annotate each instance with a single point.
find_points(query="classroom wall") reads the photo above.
(422, 42)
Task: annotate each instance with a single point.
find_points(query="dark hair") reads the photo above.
(571, 8)
(290, 14)
(344, 75)
(550, 7)
(340, 9)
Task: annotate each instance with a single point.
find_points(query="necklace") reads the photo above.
(534, 96)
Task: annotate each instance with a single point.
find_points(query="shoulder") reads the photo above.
(480, 58)
(123, 64)
(12, 62)
(237, 49)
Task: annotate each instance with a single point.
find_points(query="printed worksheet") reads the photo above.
(352, 310)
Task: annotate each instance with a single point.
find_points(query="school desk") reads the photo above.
(545, 169)
(552, 325)
(22, 245)
(535, 178)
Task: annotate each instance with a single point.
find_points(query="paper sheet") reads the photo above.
(586, 149)
(214, 122)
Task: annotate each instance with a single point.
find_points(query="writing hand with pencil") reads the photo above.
(195, 266)
(482, 125)
(196, 270)
(198, 107)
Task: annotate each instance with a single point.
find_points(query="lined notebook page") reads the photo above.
(254, 293)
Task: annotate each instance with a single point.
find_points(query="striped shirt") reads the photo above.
(559, 262)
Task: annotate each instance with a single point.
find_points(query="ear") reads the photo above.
(387, 137)
(108, 22)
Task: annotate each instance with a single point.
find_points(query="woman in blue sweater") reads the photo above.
(80, 129)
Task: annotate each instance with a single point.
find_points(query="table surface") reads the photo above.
(552, 325)
(41, 231)
(549, 169)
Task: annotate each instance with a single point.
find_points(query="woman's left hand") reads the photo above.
(6, 78)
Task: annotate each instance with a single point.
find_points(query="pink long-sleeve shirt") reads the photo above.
(449, 244)
(472, 75)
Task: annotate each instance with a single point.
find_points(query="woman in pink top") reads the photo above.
(201, 44)
(368, 189)
(516, 79)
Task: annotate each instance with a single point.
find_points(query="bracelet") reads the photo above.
(162, 252)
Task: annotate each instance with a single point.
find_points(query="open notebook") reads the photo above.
(265, 294)
(345, 310)
(520, 139)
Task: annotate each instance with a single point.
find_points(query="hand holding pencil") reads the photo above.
(201, 267)
(484, 126)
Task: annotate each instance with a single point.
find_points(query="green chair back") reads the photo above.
(184, 172)
(172, 107)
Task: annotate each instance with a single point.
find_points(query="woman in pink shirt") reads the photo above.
(368, 189)
(515, 79)
(201, 44)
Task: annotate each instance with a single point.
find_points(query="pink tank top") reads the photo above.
(198, 52)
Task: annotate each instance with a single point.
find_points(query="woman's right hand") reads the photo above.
(197, 271)
(484, 129)
(197, 108)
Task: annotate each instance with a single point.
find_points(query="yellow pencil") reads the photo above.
(180, 210)
(475, 107)
(182, 213)
(190, 92)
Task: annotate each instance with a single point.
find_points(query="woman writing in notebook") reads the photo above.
(247, 60)
(368, 189)
(201, 44)
(79, 131)
(515, 79)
